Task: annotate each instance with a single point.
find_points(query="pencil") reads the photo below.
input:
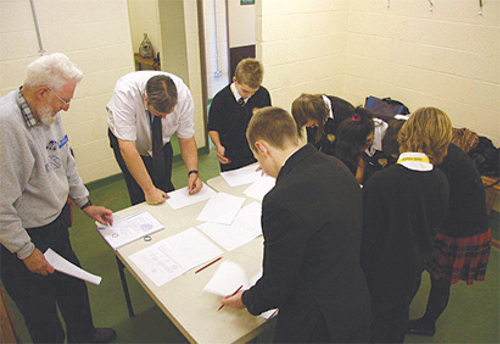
(237, 290)
(206, 266)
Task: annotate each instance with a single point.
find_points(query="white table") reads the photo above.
(191, 310)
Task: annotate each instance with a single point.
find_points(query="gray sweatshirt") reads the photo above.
(37, 175)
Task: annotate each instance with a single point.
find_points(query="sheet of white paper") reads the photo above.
(171, 257)
(181, 198)
(245, 227)
(130, 228)
(241, 176)
(64, 266)
(227, 279)
(222, 208)
(260, 188)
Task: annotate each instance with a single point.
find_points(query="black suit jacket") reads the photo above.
(311, 222)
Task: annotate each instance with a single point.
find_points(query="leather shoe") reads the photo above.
(103, 335)
(421, 328)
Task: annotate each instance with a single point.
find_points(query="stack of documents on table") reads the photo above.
(181, 198)
(131, 228)
(171, 257)
(230, 277)
(245, 227)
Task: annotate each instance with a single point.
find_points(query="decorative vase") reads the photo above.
(146, 49)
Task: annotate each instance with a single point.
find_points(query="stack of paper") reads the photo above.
(64, 266)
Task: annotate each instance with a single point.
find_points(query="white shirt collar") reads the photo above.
(415, 161)
(378, 135)
(328, 104)
(236, 94)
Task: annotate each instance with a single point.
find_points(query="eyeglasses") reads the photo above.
(66, 103)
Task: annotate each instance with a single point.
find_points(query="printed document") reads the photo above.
(245, 227)
(131, 228)
(64, 266)
(171, 257)
(241, 176)
(260, 188)
(181, 198)
(222, 208)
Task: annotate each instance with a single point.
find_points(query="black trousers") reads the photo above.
(390, 314)
(38, 297)
(134, 190)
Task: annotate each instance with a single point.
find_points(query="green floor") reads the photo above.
(471, 317)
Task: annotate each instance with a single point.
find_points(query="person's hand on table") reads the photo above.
(234, 301)
(101, 214)
(156, 196)
(194, 183)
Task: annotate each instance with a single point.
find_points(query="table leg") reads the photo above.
(121, 267)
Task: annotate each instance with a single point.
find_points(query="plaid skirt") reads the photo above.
(455, 259)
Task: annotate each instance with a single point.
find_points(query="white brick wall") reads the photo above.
(448, 57)
(302, 45)
(95, 35)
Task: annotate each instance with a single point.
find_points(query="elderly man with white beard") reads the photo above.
(38, 176)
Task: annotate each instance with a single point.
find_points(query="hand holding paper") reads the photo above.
(62, 265)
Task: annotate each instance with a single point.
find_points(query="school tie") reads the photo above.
(241, 102)
(158, 157)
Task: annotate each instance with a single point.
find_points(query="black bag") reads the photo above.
(486, 157)
(385, 108)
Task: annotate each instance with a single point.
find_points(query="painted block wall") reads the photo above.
(95, 35)
(194, 69)
(302, 45)
(448, 58)
(144, 17)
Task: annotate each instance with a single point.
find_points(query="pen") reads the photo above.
(206, 266)
(237, 290)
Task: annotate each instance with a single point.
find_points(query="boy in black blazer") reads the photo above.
(311, 222)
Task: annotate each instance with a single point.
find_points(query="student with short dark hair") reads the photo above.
(311, 221)
(231, 111)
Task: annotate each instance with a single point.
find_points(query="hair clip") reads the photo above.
(355, 118)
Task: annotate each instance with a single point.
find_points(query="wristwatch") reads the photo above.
(193, 171)
(88, 204)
